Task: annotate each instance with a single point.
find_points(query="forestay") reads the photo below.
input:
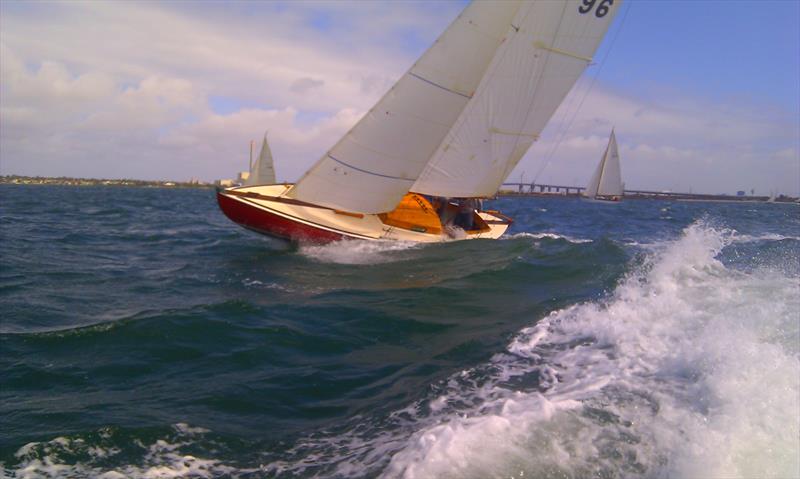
(263, 172)
(547, 48)
(377, 161)
(607, 178)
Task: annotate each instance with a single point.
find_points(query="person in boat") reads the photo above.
(458, 212)
(465, 219)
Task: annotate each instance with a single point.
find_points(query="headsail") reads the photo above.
(607, 178)
(263, 171)
(549, 46)
(379, 159)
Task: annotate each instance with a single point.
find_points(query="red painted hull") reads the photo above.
(262, 221)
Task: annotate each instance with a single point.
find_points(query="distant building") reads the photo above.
(225, 183)
(243, 176)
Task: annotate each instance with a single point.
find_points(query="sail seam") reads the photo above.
(369, 172)
(513, 133)
(543, 46)
(440, 86)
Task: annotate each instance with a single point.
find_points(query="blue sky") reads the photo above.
(719, 49)
(705, 95)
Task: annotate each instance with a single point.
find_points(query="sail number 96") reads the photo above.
(600, 11)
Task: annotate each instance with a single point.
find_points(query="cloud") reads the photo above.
(671, 142)
(113, 80)
(219, 142)
(128, 89)
(301, 86)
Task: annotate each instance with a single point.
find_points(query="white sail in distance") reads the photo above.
(263, 171)
(607, 178)
(549, 45)
(379, 159)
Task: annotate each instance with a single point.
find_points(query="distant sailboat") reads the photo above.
(606, 183)
(446, 135)
(262, 172)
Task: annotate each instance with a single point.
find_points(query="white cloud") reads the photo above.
(304, 85)
(672, 142)
(128, 89)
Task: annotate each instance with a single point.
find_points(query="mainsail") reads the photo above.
(607, 178)
(263, 171)
(549, 46)
(376, 162)
(463, 116)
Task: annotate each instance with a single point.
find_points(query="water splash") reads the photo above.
(688, 370)
(359, 252)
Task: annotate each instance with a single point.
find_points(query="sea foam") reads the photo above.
(689, 369)
(357, 251)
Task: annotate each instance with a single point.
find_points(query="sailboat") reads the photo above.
(262, 172)
(606, 183)
(416, 166)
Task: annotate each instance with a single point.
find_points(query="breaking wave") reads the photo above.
(358, 251)
(690, 369)
(553, 236)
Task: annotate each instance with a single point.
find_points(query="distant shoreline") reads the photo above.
(68, 181)
(643, 195)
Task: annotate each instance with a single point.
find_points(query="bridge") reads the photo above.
(535, 189)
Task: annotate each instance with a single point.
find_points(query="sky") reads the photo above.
(704, 95)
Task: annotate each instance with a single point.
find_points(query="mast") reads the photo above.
(250, 164)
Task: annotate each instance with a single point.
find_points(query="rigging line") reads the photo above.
(591, 85)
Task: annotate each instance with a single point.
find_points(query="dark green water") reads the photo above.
(144, 335)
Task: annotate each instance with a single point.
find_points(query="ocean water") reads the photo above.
(144, 335)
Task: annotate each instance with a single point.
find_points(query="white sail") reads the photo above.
(379, 159)
(607, 178)
(549, 46)
(263, 171)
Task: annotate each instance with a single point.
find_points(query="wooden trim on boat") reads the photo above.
(288, 201)
(505, 219)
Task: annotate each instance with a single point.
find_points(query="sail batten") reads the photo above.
(440, 86)
(368, 172)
